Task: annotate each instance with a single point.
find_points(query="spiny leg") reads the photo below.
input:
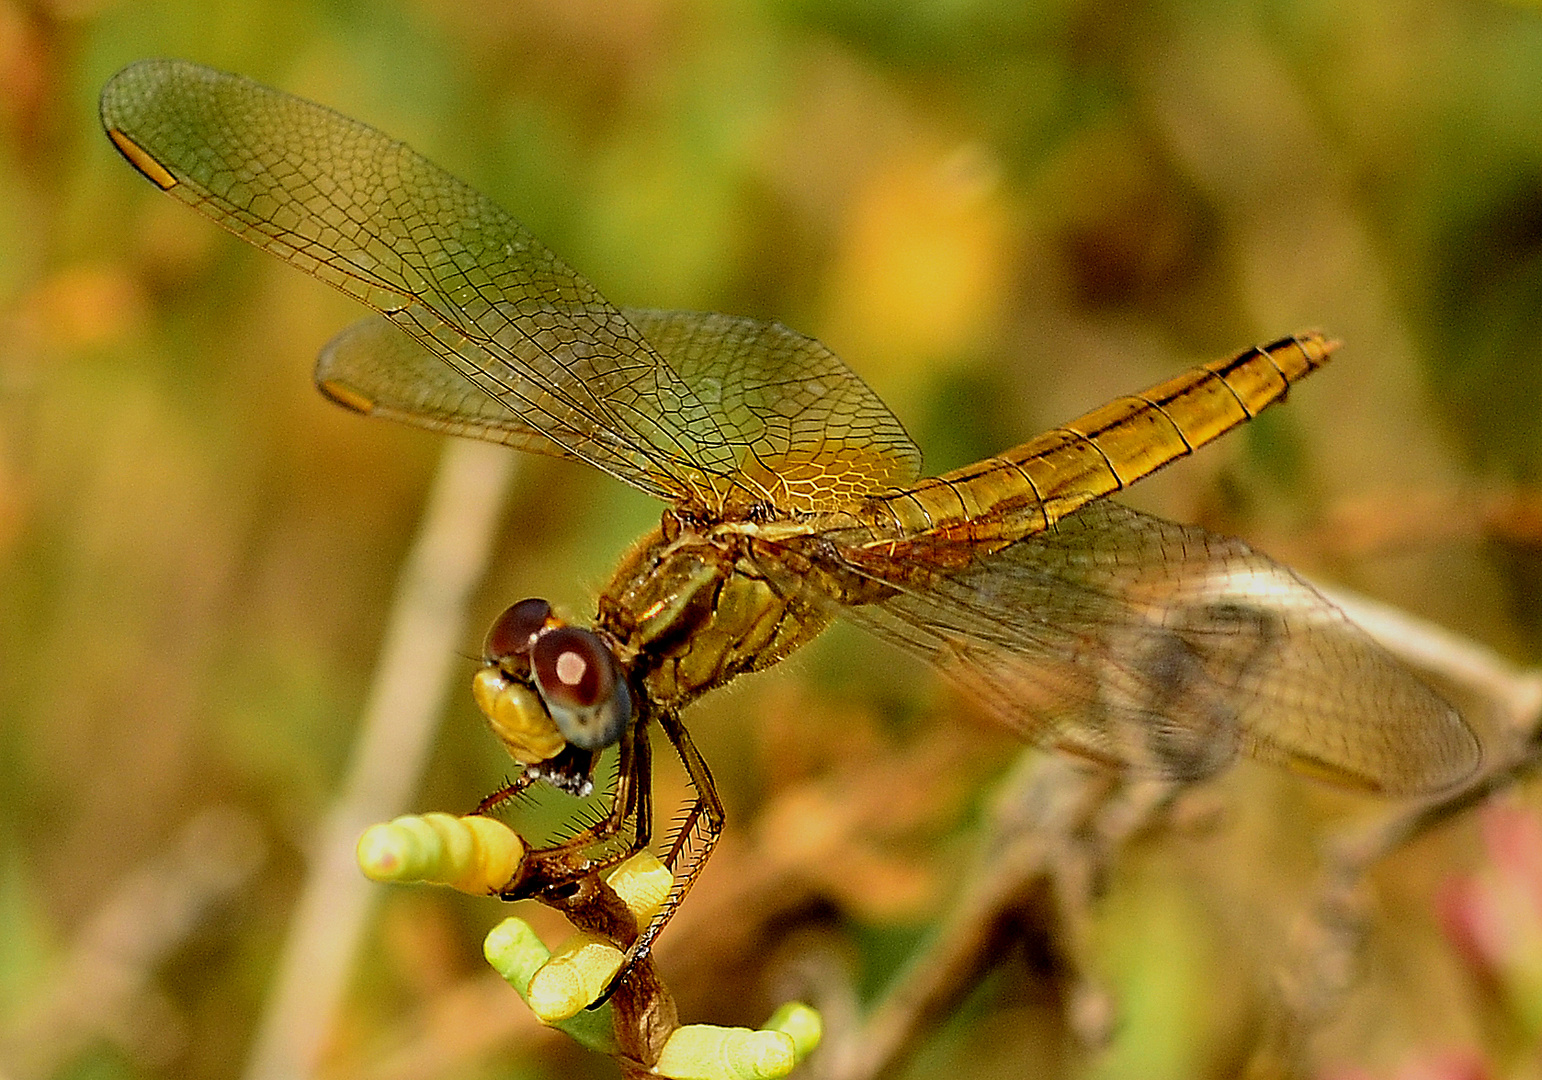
(507, 793)
(685, 858)
(629, 816)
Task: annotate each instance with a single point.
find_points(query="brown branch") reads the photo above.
(1504, 703)
(1058, 824)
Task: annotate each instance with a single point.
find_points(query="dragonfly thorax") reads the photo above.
(693, 607)
(688, 610)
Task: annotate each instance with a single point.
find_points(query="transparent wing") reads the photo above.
(811, 435)
(1138, 641)
(809, 432)
(562, 369)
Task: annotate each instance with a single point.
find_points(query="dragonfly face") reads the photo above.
(553, 693)
(794, 497)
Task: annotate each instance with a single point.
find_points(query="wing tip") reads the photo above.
(142, 160)
(340, 393)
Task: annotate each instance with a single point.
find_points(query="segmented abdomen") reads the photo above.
(1028, 488)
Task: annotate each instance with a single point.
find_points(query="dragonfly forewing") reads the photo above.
(370, 216)
(714, 412)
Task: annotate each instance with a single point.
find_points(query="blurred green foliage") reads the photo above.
(999, 213)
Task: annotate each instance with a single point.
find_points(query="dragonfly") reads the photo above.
(793, 497)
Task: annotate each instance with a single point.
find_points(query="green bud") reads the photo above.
(515, 953)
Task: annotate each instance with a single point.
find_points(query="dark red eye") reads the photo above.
(577, 678)
(513, 631)
(572, 667)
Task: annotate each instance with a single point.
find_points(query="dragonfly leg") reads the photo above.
(509, 791)
(625, 829)
(689, 849)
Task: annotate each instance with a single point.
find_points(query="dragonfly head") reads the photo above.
(547, 687)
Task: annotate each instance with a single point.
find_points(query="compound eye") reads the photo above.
(577, 678)
(572, 667)
(508, 642)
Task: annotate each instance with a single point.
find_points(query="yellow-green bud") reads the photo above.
(804, 1024)
(515, 953)
(473, 854)
(577, 973)
(706, 1052)
(642, 883)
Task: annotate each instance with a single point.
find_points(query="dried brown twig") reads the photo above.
(426, 625)
(1057, 827)
(1504, 703)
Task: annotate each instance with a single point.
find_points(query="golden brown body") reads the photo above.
(688, 611)
(692, 607)
(795, 497)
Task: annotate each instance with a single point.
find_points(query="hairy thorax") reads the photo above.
(690, 608)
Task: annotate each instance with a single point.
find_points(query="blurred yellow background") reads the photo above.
(1000, 214)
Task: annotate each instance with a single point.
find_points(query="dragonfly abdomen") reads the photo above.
(1028, 488)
